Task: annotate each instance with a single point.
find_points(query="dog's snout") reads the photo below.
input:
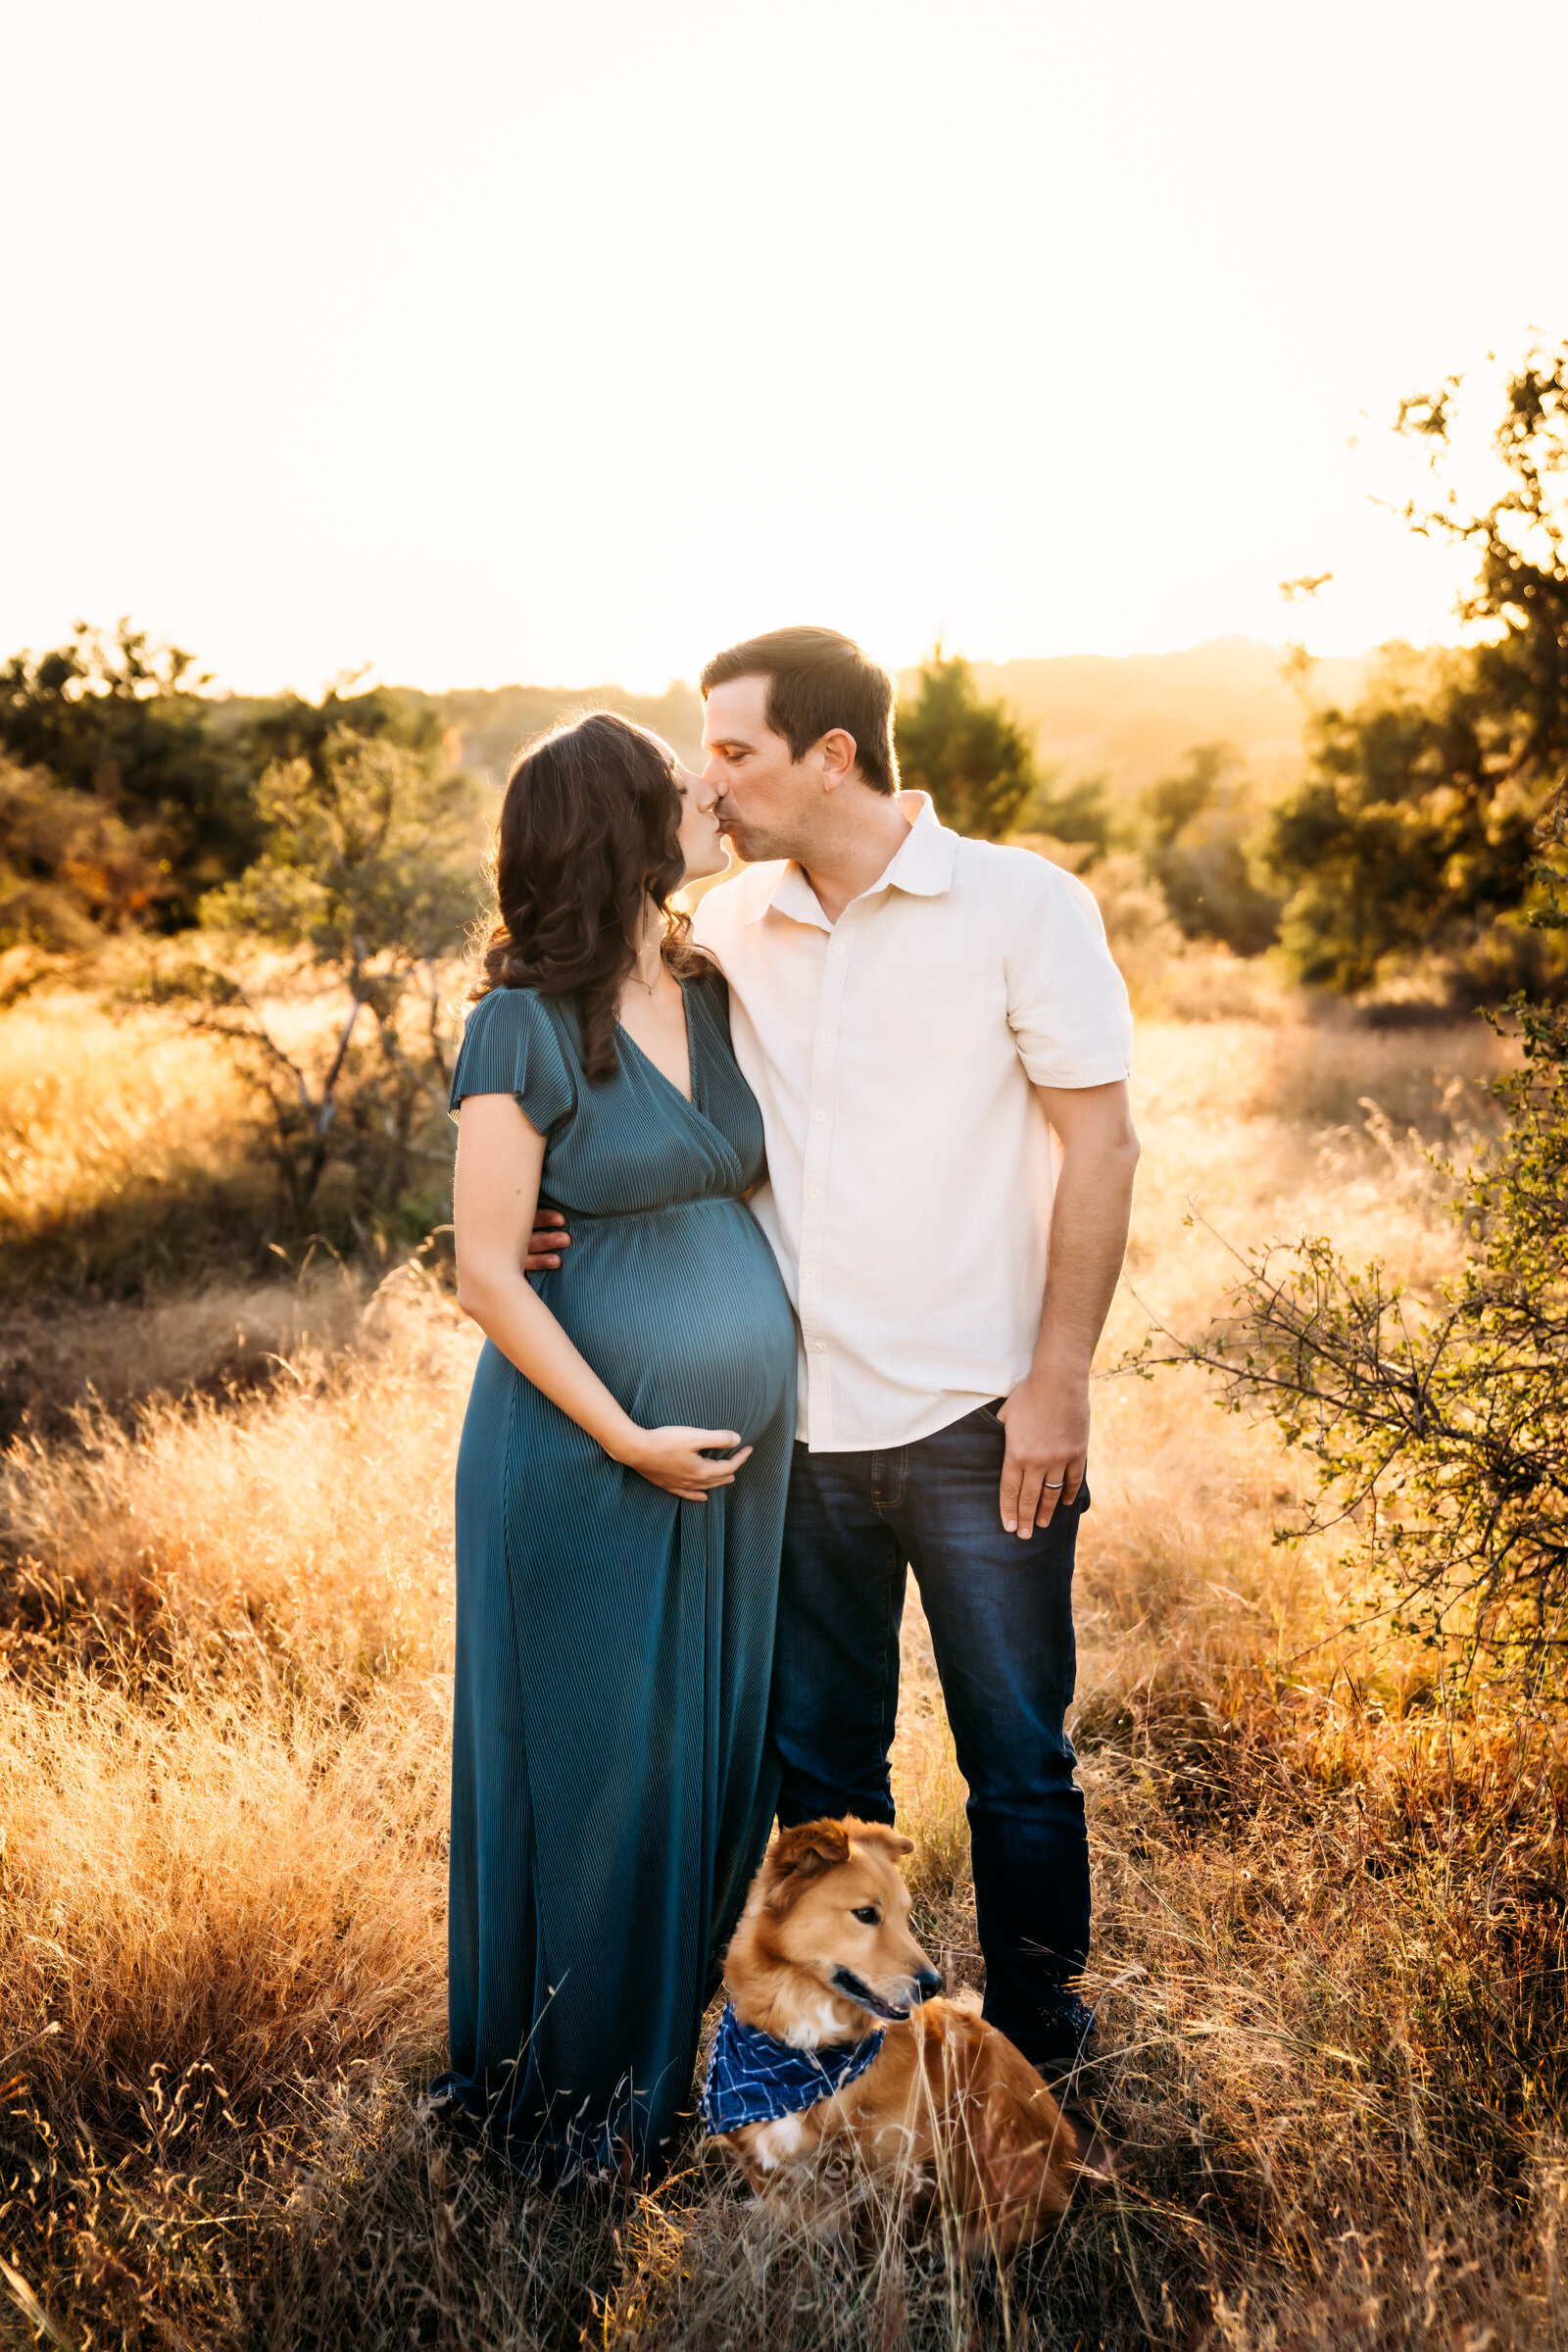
(926, 1983)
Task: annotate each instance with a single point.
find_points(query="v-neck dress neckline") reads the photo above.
(643, 1055)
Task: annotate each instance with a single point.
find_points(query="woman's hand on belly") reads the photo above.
(677, 1460)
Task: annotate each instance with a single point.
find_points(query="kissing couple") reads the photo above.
(791, 1227)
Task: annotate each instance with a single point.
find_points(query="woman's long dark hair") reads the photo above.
(589, 831)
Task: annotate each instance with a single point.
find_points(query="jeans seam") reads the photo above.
(884, 1740)
(884, 1737)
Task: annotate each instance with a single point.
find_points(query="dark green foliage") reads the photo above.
(290, 728)
(69, 863)
(1442, 1422)
(1077, 812)
(119, 726)
(969, 755)
(1413, 834)
(1196, 829)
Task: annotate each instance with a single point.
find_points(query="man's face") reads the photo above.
(765, 799)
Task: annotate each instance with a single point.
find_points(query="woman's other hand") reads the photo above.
(677, 1460)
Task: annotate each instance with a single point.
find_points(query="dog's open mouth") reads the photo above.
(853, 1987)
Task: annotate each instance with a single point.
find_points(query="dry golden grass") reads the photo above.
(1330, 1889)
(126, 1147)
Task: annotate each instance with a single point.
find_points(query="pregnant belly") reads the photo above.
(682, 1314)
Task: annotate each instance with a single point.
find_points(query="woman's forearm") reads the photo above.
(512, 1315)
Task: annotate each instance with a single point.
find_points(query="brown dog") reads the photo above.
(941, 2104)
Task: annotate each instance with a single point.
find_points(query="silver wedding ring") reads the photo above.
(1056, 1482)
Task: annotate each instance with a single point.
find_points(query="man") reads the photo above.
(918, 1014)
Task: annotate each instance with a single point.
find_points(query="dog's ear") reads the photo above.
(878, 1834)
(797, 1856)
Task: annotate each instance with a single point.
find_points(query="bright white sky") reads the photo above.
(571, 339)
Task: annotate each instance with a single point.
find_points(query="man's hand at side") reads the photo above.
(1046, 1416)
(1046, 1421)
(546, 1242)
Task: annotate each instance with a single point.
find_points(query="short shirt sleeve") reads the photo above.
(1066, 1001)
(510, 1047)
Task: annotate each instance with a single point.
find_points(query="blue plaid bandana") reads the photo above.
(754, 2079)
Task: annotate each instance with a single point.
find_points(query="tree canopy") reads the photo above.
(368, 877)
(1414, 834)
(969, 755)
(120, 725)
(1197, 828)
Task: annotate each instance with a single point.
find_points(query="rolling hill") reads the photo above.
(1130, 717)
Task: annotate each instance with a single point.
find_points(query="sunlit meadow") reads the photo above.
(1328, 1958)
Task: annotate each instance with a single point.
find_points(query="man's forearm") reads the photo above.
(1046, 1416)
(1088, 1243)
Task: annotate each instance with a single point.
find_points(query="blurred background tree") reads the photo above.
(70, 865)
(969, 755)
(1196, 829)
(367, 881)
(1412, 839)
(1079, 814)
(978, 763)
(119, 726)
(288, 728)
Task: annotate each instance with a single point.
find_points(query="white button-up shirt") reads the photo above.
(895, 1054)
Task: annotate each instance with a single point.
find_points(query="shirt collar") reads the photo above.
(922, 864)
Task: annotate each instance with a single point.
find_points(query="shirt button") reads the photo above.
(838, 946)
(810, 1273)
(816, 1192)
(820, 1116)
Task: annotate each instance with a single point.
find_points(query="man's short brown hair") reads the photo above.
(817, 680)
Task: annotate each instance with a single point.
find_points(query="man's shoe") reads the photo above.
(1066, 2044)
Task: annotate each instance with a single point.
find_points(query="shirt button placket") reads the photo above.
(819, 1152)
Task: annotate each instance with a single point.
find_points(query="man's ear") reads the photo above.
(836, 750)
(797, 1856)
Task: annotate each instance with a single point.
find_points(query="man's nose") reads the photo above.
(712, 778)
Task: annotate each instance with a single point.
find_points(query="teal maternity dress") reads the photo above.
(610, 1790)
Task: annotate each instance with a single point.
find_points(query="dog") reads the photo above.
(833, 2050)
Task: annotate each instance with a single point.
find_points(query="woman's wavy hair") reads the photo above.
(588, 831)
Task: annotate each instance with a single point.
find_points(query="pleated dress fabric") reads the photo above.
(612, 1791)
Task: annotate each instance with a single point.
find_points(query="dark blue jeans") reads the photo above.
(1001, 1618)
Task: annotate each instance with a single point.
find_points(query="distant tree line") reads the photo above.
(128, 796)
(127, 793)
(1414, 839)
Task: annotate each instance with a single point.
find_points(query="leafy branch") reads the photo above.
(1438, 1426)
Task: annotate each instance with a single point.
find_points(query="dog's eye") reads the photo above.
(867, 1915)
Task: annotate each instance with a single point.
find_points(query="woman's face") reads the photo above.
(700, 841)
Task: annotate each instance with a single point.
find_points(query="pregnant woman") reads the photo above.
(622, 1477)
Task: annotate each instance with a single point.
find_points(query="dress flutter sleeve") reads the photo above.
(511, 1046)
